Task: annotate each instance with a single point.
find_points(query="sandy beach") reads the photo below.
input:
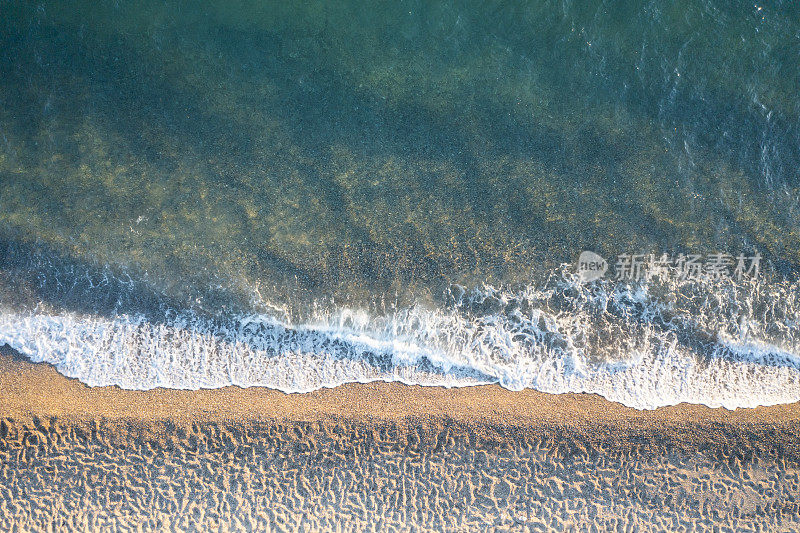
(383, 456)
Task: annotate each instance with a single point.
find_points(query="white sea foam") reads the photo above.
(718, 344)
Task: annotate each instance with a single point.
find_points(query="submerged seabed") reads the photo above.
(299, 195)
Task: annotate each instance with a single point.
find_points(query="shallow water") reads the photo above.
(304, 195)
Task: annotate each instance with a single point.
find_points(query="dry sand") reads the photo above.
(381, 457)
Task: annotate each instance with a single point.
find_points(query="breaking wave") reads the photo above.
(720, 342)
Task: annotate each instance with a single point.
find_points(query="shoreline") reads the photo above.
(38, 390)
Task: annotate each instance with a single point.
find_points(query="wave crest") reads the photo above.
(713, 342)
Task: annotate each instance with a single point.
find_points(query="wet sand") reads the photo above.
(383, 456)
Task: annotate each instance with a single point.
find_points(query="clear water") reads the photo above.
(302, 195)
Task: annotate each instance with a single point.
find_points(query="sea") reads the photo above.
(565, 196)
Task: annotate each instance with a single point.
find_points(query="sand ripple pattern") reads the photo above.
(429, 475)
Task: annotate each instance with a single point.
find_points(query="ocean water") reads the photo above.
(300, 195)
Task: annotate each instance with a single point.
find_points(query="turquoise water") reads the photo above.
(302, 195)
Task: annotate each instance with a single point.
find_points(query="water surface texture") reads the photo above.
(299, 195)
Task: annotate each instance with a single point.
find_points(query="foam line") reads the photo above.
(709, 343)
